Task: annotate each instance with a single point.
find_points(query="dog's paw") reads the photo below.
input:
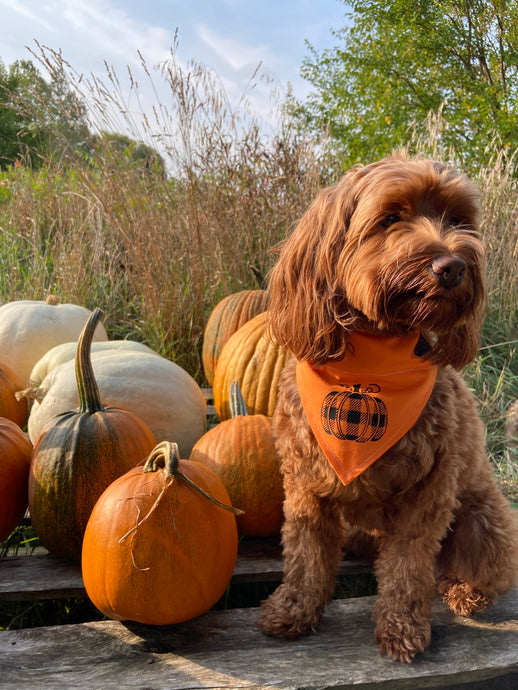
(283, 615)
(402, 640)
(463, 599)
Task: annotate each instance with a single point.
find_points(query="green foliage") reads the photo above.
(21, 541)
(16, 615)
(398, 60)
(38, 119)
(124, 151)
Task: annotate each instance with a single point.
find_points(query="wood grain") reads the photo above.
(224, 649)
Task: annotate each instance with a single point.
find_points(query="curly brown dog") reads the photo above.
(386, 270)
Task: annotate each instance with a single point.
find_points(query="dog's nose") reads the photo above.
(449, 270)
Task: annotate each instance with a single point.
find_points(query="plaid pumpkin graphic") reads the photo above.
(354, 414)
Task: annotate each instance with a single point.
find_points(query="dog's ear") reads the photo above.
(309, 315)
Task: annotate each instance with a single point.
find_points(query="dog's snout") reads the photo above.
(449, 270)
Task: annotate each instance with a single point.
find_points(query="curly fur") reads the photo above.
(367, 256)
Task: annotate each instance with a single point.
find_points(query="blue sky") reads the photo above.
(230, 36)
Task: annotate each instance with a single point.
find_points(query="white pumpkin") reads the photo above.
(29, 328)
(67, 351)
(159, 391)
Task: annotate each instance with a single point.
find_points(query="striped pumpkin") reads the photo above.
(252, 359)
(227, 317)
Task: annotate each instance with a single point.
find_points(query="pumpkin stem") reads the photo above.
(89, 396)
(237, 403)
(167, 455)
(31, 394)
(53, 300)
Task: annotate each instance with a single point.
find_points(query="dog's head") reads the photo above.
(393, 247)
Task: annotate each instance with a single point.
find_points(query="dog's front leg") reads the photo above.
(312, 539)
(406, 588)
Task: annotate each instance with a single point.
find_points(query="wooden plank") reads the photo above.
(42, 576)
(224, 649)
(209, 397)
(260, 560)
(24, 578)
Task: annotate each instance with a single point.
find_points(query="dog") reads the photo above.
(386, 270)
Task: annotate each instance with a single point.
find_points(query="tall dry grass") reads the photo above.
(156, 246)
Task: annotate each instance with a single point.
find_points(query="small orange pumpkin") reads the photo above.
(161, 543)
(241, 452)
(78, 454)
(252, 359)
(226, 318)
(15, 454)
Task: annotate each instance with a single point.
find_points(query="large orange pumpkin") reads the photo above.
(226, 318)
(156, 550)
(10, 406)
(77, 455)
(15, 454)
(252, 359)
(241, 452)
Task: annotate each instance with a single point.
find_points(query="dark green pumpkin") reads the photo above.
(78, 454)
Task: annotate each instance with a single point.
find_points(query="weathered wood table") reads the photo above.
(224, 649)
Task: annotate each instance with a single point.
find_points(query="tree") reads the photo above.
(121, 150)
(38, 119)
(399, 60)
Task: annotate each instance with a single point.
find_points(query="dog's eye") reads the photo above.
(453, 221)
(391, 219)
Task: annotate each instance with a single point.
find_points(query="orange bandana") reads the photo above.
(360, 406)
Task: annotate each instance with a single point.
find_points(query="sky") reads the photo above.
(231, 37)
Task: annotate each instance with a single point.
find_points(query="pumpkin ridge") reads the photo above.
(269, 357)
(232, 312)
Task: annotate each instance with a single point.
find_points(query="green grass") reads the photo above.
(493, 377)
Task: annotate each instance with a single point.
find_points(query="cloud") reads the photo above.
(115, 31)
(88, 28)
(22, 9)
(236, 54)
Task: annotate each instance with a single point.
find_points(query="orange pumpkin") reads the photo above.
(15, 454)
(226, 318)
(10, 406)
(160, 547)
(252, 359)
(241, 452)
(77, 455)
